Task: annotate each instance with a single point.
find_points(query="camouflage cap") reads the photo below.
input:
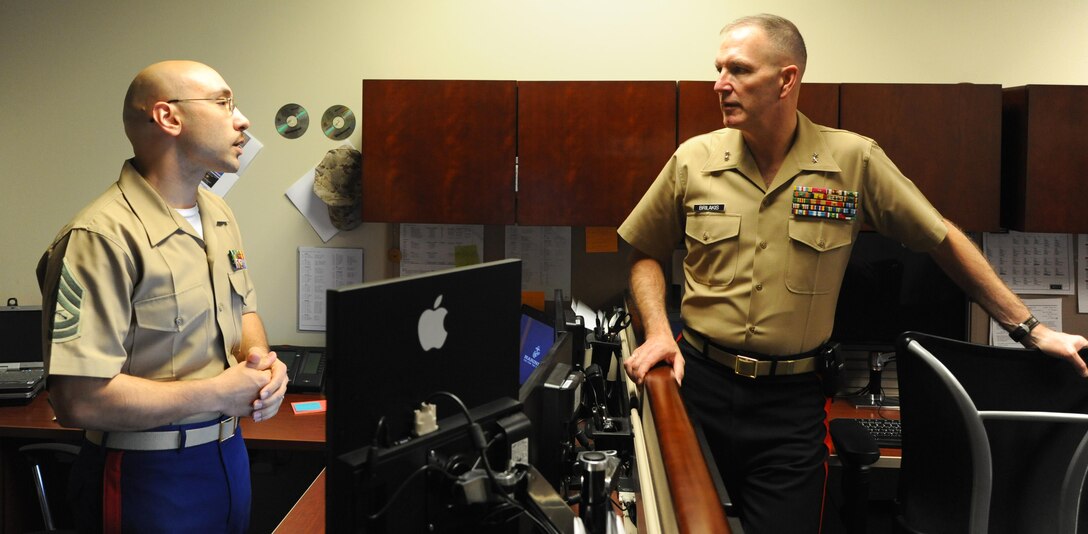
(338, 183)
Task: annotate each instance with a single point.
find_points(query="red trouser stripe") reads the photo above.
(111, 493)
(827, 443)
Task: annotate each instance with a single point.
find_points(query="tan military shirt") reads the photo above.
(136, 291)
(757, 276)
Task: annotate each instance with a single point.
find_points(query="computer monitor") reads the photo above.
(21, 330)
(391, 344)
(889, 289)
(551, 397)
(537, 335)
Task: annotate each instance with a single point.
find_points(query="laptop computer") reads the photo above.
(22, 372)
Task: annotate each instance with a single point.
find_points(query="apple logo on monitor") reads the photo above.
(432, 326)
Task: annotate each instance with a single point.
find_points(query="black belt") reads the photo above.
(751, 366)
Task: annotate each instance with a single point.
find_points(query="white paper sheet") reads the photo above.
(320, 269)
(1082, 273)
(431, 247)
(316, 212)
(545, 257)
(1047, 311)
(220, 183)
(1033, 263)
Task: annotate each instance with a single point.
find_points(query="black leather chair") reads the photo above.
(994, 440)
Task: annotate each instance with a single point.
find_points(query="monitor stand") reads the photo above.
(872, 395)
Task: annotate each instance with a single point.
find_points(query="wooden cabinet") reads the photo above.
(444, 151)
(698, 111)
(587, 151)
(946, 138)
(1045, 158)
(439, 151)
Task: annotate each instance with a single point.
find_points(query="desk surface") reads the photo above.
(307, 516)
(284, 431)
(843, 408)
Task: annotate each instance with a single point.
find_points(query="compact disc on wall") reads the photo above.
(292, 121)
(338, 122)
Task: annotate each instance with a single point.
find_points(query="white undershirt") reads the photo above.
(193, 216)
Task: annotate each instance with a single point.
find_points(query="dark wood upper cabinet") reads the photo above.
(944, 137)
(1045, 158)
(439, 151)
(588, 150)
(699, 112)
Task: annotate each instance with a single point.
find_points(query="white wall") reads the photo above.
(65, 65)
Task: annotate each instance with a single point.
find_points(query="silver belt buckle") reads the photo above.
(746, 366)
(226, 428)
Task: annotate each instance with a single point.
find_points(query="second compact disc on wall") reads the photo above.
(338, 122)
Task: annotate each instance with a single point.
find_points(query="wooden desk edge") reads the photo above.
(307, 516)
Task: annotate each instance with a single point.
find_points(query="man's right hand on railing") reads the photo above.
(653, 350)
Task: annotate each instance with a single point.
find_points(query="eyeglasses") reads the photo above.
(225, 101)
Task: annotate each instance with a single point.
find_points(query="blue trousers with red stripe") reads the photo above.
(205, 488)
(768, 438)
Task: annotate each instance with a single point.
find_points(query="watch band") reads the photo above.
(1021, 331)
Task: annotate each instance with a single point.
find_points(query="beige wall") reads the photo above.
(65, 64)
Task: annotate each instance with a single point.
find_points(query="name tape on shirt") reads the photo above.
(826, 203)
(710, 208)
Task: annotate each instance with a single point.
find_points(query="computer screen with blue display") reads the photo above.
(537, 336)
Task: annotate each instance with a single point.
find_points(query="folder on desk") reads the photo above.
(22, 372)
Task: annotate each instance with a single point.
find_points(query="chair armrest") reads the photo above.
(854, 445)
(1048, 417)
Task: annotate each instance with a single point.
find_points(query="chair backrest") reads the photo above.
(1014, 409)
(945, 477)
(51, 462)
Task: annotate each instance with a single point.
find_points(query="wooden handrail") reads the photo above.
(694, 497)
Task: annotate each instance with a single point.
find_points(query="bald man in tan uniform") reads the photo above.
(155, 347)
(768, 209)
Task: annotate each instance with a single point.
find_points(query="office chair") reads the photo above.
(43, 458)
(994, 439)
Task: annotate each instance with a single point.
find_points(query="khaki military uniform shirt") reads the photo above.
(136, 291)
(757, 276)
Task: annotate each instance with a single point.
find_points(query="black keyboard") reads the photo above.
(887, 432)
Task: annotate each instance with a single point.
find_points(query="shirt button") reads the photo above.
(706, 236)
(759, 287)
(762, 244)
(221, 306)
(752, 329)
(178, 321)
(821, 244)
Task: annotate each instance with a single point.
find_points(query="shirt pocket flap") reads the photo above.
(711, 228)
(821, 236)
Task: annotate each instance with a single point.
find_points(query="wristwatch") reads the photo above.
(1021, 331)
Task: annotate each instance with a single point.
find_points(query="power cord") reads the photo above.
(476, 433)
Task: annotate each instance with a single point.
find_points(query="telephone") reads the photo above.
(305, 367)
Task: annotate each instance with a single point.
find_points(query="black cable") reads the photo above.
(378, 428)
(477, 436)
(400, 489)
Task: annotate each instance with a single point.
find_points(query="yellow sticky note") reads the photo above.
(465, 255)
(601, 239)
